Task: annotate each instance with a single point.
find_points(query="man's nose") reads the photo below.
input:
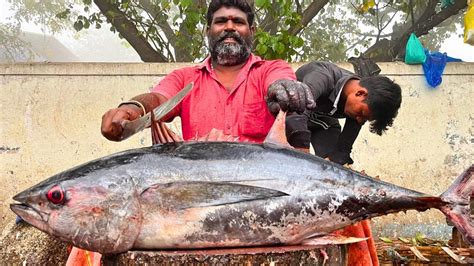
(229, 25)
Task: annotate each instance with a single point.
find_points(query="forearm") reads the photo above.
(152, 100)
(149, 100)
(345, 142)
(297, 132)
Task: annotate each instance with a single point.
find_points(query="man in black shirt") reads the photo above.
(338, 93)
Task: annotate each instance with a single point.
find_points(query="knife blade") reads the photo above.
(129, 128)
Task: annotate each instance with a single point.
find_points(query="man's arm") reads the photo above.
(297, 132)
(139, 105)
(319, 76)
(342, 152)
(320, 81)
(289, 95)
(283, 91)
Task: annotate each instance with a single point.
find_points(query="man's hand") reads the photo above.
(341, 158)
(112, 120)
(289, 95)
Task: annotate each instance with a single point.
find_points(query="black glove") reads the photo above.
(297, 132)
(289, 95)
(340, 158)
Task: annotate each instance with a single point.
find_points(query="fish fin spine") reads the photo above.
(457, 204)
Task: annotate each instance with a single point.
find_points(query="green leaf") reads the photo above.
(261, 49)
(385, 239)
(262, 3)
(63, 14)
(78, 25)
(280, 48)
(404, 240)
(420, 238)
(186, 3)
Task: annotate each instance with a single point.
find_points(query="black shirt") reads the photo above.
(326, 81)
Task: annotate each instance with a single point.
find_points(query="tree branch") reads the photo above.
(308, 15)
(128, 30)
(427, 21)
(184, 52)
(269, 23)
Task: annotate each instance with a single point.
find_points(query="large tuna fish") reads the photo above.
(218, 194)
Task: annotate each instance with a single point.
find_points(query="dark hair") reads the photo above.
(240, 4)
(383, 98)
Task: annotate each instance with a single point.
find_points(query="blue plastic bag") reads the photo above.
(434, 66)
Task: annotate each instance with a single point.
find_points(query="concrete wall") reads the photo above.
(51, 117)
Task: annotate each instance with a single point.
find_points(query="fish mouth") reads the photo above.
(30, 215)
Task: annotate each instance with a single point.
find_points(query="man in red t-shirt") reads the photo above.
(230, 88)
(234, 91)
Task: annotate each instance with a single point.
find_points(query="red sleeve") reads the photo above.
(172, 83)
(278, 69)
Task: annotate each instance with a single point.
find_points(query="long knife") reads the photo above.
(137, 125)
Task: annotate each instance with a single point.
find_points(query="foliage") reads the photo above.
(280, 44)
(42, 13)
(13, 48)
(173, 28)
(302, 30)
(331, 36)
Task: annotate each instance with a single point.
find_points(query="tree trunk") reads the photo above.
(128, 30)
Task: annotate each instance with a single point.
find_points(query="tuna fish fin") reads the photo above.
(457, 203)
(331, 240)
(277, 134)
(195, 194)
(461, 189)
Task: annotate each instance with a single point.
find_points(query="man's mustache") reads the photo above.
(233, 35)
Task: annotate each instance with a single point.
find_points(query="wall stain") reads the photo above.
(9, 150)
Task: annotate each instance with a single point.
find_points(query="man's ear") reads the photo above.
(361, 92)
(253, 29)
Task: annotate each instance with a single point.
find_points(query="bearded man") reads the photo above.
(231, 87)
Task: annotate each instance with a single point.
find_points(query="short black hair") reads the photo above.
(240, 4)
(384, 98)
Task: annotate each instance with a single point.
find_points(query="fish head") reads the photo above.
(93, 213)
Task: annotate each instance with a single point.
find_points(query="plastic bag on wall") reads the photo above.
(469, 23)
(414, 54)
(434, 66)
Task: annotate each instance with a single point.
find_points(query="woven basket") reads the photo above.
(400, 253)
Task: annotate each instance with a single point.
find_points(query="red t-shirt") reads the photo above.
(242, 113)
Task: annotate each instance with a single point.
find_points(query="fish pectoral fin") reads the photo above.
(331, 240)
(195, 194)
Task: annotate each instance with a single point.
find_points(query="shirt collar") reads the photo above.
(338, 96)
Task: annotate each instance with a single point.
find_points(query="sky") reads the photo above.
(92, 45)
(104, 46)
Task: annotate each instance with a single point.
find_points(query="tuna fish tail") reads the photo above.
(457, 204)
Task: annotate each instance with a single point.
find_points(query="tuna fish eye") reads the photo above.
(56, 195)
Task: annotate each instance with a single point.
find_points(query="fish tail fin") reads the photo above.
(457, 204)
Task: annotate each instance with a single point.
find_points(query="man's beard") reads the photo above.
(229, 54)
